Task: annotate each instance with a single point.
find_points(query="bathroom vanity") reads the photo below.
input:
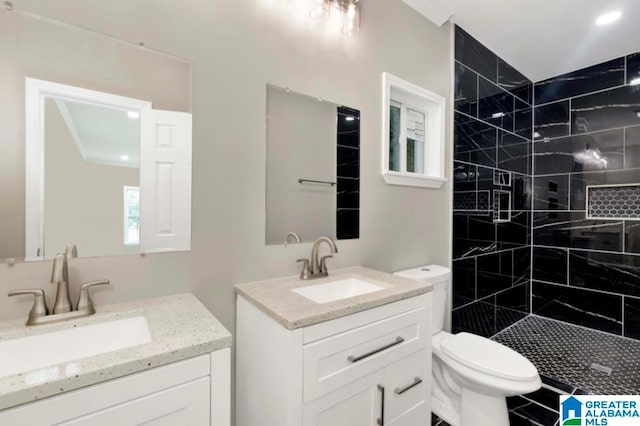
(358, 355)
(172, 367)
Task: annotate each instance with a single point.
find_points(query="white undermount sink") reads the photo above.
(61, 346)
(337, 290)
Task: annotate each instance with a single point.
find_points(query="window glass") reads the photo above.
(394, 138)
(131, 215)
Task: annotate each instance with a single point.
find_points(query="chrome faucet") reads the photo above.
(292, 238)
(62, 310)
(317, 268)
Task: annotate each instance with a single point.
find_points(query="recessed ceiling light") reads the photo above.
(349, 118)
(133, 114)
(124, 157)
(498, 115)
(608, 18)
(635, 81)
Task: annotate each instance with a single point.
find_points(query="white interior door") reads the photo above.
(165, 181)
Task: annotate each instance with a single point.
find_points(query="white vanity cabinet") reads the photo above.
(193, 392)
(368, 368)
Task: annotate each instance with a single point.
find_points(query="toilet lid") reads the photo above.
(489, 357)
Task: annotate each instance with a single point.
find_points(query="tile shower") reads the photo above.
(565, 267)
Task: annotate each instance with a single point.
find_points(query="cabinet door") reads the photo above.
(355, 404)
(184, 405)
(407, 385)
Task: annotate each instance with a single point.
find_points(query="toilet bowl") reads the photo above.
(472, 375)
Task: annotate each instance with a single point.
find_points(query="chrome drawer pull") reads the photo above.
(380, 420)
(415, 383)
(351, 358)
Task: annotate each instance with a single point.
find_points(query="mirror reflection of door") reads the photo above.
(108, 173)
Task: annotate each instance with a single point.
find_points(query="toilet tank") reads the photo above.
(439, 277)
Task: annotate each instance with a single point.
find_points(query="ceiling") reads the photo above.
(543, 38)
(103, 135)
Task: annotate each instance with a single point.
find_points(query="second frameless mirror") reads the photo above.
(313, 168)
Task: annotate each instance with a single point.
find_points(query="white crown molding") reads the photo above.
(432, 10)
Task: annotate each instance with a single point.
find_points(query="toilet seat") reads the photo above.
(487, 356)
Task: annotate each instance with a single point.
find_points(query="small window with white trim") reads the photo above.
(131, 215)
(413, 138)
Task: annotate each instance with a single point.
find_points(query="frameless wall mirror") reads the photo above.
(97, 150)
(313, 168)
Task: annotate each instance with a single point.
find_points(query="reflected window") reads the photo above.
(131, 215)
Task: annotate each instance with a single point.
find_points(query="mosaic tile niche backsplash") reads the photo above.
(492, 171)
(545, 144)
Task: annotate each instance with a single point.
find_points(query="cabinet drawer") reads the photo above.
(343, 358)
(407, 384)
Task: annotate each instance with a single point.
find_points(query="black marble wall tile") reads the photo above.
(461, 243)
(592, 152)
(577, 306)
(495, 273)
(572, 230)
(547, 397)
(514, 81)
(516, 298)
(579, 182)
(474, 141)
(633, 67)
(597, 77)
(482, 228)
(348, 193)
(522, 265)
(477, 318)
(615, 273)
(348, 130)
(466, 90)
(552, 120)
(632, 147)
(550, 265)
(605, 110)
(495, 105)
(523, 119)
(513, 153)
(551, 192)
(515, 233)
(464, 281)
(348, 162)
(347, 224)
(521, 193)
(473, 54)
(632, 236)
(632, 318)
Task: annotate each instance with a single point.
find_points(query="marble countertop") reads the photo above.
(181, 327)
(275, 298)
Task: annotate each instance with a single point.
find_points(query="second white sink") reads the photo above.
(69, 344)
(337, 290)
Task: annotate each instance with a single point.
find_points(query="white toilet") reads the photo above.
(472, 375)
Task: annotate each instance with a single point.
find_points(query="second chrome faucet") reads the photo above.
(317, 267)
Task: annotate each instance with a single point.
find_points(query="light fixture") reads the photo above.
(635, 81)
(133, 114)
(608, 18)
(349, 118)
(351, 18)
(349, 9)
(637, 112)
(321, 11)
(124, 157)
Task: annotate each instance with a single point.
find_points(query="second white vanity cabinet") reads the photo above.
(368, 368)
